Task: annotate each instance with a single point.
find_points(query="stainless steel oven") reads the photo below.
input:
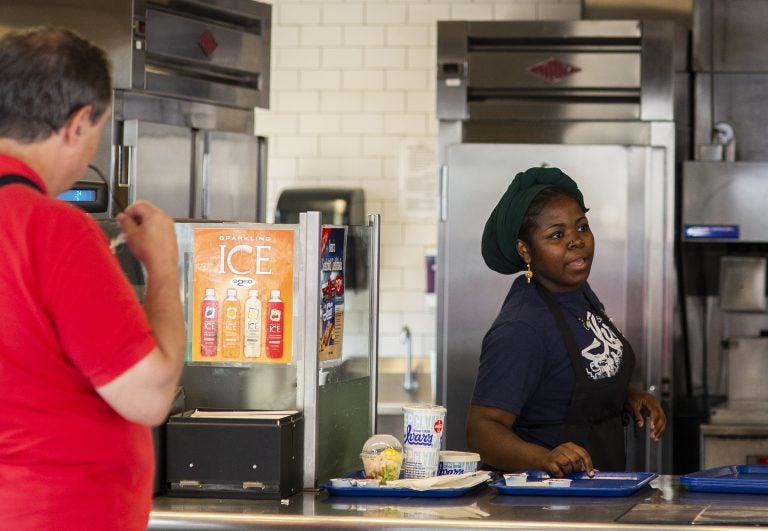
(187, 76)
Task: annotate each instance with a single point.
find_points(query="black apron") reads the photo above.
(595, 417)
(19, 179)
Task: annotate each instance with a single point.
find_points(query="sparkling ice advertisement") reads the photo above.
(242, 295)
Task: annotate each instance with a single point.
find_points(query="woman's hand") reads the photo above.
(567, 458)
(640, 405)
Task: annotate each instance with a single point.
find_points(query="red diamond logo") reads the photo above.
(207, 43)
(553, 70)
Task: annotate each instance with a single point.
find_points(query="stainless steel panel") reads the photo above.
(161, 81)
(597, 70)
(565, 132)
(175, 37)
(629, 219)
(160, 168)
(307, 341)
(726, 193)
(196, 115)
(729, 35)
(678, 10)
(736, 98)
(374, 223)
(526, 106)
(731, 445)
(742, 284)
(747, 368)
(452, 69)
(158, 46)
(106, 22)
(558, 29)
(211, 55)
(627, 70)
(664, 87)
(230, 177)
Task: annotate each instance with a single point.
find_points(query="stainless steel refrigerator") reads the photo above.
(187, 76)
(606, 102)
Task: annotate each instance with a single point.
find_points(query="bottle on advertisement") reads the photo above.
(231, 346)
(209, 324)
(252, 336)
(275, 325)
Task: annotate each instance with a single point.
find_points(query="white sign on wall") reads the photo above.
(418, 179)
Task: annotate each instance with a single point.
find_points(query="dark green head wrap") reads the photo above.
(499, 244)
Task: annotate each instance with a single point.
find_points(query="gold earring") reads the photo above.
(528, 273)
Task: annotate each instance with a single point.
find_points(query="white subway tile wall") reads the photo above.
(350, 82)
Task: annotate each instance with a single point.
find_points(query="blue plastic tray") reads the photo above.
(743, 479)
(394, 492)
(602, 484)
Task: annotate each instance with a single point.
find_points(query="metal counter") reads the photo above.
(664, 503)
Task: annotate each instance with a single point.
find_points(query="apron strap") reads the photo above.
(592, 300)
(19, 179)
(565, 330)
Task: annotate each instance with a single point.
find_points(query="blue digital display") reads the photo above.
(78, 195)
(711, 232)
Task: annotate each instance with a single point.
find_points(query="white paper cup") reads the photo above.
(423, 430)
(457, 462)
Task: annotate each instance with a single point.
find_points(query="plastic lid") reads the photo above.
(253, 293)
(425, 407)
(231, 293)
(275, 294)
(210, 292)
(379, 443)
(458, 457)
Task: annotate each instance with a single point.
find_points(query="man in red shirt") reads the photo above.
(84, 369)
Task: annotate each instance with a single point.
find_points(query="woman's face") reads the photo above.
(561, 247)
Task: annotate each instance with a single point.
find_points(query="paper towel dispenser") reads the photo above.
(338, 206)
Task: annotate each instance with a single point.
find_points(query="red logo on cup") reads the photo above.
(438, 426)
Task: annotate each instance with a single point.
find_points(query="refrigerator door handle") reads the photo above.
(205, 170)
(204, 144)
(443, 192)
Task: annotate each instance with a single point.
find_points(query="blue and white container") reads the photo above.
(452, 462)
(423, 430)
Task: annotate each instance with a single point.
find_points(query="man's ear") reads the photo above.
(76, 124)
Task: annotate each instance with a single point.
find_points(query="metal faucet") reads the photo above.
(409, 381)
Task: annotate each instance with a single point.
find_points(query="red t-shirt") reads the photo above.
(70, 323)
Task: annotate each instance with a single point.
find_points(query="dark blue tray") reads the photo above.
(743, 479)
(394, 492)
(602, 484)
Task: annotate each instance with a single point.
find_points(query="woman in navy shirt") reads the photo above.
(553, 384)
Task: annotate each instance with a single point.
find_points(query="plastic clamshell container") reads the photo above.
(382, 457)
(515, 479)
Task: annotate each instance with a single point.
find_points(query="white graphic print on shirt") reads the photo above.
(604, 354)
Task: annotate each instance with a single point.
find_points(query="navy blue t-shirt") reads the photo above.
(525, 367)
